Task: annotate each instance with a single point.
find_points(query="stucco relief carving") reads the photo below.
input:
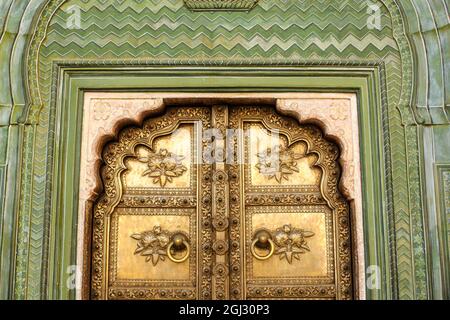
(339, 121)
(101, 120)
(103, 116)
(337, 115)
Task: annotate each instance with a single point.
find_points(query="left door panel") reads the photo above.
(150, 221)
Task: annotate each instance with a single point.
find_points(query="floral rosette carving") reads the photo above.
(152, 244)
(278, 162)
(291, 242)
(287, 242)
(156, 244)
(163, 166)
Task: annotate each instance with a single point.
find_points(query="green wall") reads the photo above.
(404, 62)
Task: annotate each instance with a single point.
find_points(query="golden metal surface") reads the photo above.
(270, 247)
(294, 167)
(182, 258)
(312, 263)
(297, 189)
(288, 242)
(132, 266)
(271, 225)
(166, 165)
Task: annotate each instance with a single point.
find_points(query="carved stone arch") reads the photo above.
(128, 139)
(149, 106)
(326, 152)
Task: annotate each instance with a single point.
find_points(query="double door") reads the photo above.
(221, 202)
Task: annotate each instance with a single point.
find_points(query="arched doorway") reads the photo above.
(221, 202)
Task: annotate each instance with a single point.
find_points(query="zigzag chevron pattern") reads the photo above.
(300, 29)
(137, 28)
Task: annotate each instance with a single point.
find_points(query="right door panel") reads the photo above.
(290, 224)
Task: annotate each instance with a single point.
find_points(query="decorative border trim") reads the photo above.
(398, 136)
(220, 5)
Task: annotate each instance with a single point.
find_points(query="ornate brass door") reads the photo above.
(221, 202)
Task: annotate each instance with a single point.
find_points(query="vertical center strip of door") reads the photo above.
(220, 205)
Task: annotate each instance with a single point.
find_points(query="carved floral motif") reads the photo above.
(278, 163)
(291, 242)
(152, 244)
(156, 244)
(163, 166)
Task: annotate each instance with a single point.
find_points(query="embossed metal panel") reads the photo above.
(292, 233)
(221, 202)
(148, 232)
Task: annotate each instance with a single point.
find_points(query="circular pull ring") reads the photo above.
(257, 256)
(178, 241)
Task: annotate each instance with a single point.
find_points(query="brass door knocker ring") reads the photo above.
(179, 242)
(262, 240)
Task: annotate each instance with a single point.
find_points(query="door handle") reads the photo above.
(288, 242)
(157, 243)
(263, 240)
(179, 243)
